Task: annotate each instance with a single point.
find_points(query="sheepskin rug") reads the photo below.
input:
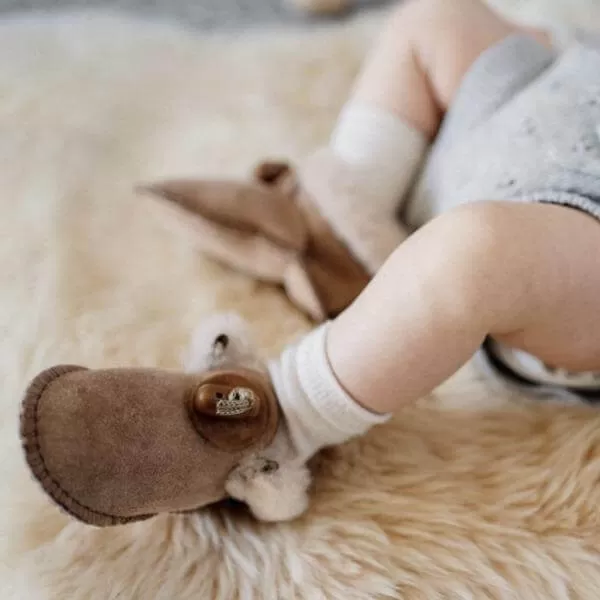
(469, 496)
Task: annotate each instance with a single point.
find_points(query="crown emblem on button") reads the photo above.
(239, 401)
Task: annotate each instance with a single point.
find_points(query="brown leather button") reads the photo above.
(227, 400)
(233, 408)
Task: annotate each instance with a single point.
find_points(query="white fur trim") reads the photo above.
(278, 495)
(240, 351)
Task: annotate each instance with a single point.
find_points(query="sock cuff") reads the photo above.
(318, 412)
(358, 183)
(323, 390)
(370, 134)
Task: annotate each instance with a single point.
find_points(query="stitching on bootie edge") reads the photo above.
(30, 438)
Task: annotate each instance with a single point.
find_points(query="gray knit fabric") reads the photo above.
(523, 126)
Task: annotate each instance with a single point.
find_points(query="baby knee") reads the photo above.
(471, 248)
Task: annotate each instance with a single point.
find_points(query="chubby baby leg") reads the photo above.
(361, 179)
(424, 51)
(525, 274)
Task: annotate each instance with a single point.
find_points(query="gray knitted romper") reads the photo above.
(525, 127)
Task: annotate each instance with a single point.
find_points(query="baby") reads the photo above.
(485, 135)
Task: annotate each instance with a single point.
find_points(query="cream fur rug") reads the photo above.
(495, 501)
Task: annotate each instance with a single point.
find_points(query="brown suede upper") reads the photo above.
(119, 445)
(336, 276)
(269, 228)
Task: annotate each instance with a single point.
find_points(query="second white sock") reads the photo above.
(372, 138)
(359, 180)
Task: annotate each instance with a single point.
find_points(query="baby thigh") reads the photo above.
(554, 252)
(523, 273)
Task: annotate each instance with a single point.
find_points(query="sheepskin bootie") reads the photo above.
(114, 446)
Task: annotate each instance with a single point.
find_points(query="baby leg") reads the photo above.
(421, 56)
(523, 273)
(454, 282)
(347, 197)
(410, 77)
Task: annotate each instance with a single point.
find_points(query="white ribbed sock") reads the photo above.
(317, 410)
(372, 138)
(359, 180)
